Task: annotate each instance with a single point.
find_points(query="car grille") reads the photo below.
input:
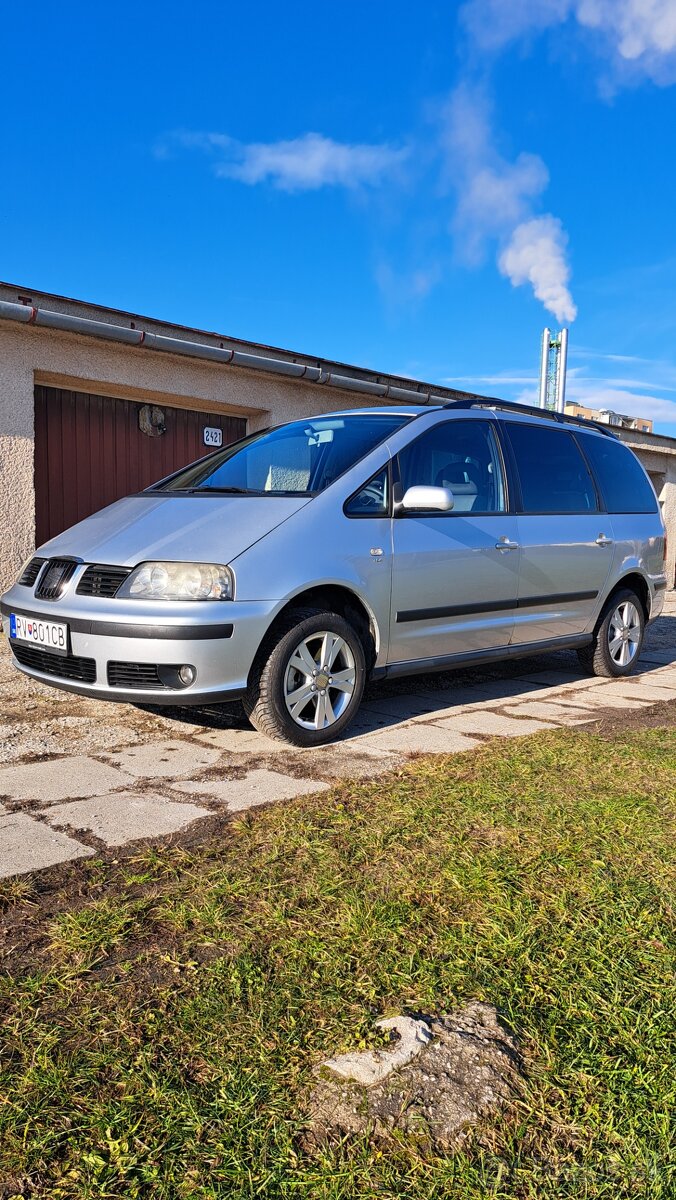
(54, 578)
(62, 667)
(102, 581)
(30, 574)
(140, 676)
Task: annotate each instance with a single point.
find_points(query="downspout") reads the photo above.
(26, 314)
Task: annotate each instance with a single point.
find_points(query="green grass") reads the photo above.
(159, 1031)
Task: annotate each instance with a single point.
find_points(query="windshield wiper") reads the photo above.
(224, 491)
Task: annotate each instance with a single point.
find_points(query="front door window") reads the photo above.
(462, 456)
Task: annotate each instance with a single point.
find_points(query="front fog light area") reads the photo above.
(180, 676)
(178, 581)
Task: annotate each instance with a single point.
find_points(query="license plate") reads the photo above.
(47, 635)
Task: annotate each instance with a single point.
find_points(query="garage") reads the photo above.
(90, 450)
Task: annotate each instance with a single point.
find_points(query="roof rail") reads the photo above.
(531, 411)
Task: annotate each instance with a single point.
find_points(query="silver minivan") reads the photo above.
(289, 568)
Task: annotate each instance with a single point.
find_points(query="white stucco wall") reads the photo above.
(30, 355)
(659, 459)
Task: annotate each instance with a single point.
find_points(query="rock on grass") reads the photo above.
(469, 1067)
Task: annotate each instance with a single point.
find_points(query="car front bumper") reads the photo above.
(113, 657)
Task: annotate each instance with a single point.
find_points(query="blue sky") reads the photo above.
(403, 187)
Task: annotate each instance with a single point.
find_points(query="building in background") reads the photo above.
(605, 416)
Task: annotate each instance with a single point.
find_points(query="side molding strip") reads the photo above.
(488, 606)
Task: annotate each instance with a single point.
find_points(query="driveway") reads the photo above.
(80, 776)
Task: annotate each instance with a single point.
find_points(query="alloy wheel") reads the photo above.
(624, 633)
(320, 680)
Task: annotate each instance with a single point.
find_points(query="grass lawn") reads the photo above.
(161, 1012)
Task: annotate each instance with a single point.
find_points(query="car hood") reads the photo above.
(178, 528)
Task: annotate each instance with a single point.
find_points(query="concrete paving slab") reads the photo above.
(573, 700)
(258, 787)
(125, 817)
(416, 738)
(493, 724)
(559, 679)
(424, 704)
(365, 763)
(28, 845)
(609, 697)
(663, 679)
(237, 741)
(403, 708)
(467, 700)
(660, 680)
(659, 656)
(489, 691)
(60, 779)
(641, 690)
(547, 710)
(158, 760)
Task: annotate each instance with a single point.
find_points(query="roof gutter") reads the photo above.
(26, 314)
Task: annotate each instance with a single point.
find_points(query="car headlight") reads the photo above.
(178, 581)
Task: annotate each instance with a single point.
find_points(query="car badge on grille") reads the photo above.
(55, 578)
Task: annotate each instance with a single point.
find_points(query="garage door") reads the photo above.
(91, 450)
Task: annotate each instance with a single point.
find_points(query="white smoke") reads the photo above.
(536, 254)
(496, 199)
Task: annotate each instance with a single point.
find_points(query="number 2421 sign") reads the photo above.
(212, 436)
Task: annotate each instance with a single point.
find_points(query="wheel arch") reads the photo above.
(339, 598)
(638, 584)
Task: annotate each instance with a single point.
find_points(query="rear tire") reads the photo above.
(618, 637)
(308, 679)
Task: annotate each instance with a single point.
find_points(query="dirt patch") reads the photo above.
(469, 1068)
(659, 716)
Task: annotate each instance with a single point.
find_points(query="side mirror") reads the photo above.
(428, 499)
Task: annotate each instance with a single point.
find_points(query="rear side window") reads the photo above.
(553, 474)
(622, 480)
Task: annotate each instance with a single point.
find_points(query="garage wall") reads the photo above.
(30, 355)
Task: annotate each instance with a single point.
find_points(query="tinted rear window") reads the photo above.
(553, 474)
(624, 484)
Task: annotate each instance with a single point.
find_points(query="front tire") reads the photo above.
(308, 680)
(618, 637)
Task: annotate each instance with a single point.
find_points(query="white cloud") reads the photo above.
(536, 254)
(640, 32)
(633, 396)
(496, 198)
(499, 380)
(305, 163)
(597, 394)
(494, 23)
(638, 37)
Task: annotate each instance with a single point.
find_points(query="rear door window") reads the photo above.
(624, 484)
(553, 475)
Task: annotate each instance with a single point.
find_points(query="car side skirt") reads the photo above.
(448, 662)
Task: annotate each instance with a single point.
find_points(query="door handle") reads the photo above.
(505, 544)
(602, 540)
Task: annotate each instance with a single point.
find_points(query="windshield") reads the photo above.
(298, 459)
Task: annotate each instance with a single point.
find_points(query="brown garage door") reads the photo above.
(90, 450)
